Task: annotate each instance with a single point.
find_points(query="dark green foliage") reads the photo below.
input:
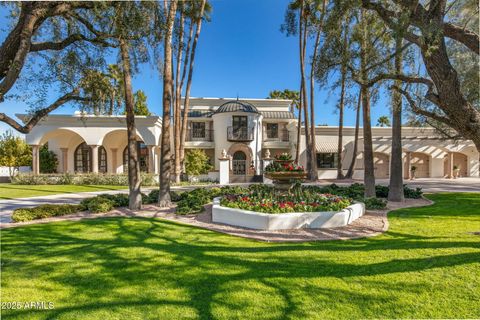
(375, 203)
(412, 193)
(119, 199)
(48, 160)
(105, 179)
(97, 204)
(44, 211)
(381, 191)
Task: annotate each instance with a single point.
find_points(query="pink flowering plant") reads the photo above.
(284, 167)
(265, 199)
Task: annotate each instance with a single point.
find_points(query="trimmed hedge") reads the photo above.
(44, 211)
(148, 179)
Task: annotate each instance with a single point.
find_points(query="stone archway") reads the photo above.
(245, 156)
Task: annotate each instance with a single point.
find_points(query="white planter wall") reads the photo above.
(294, 220)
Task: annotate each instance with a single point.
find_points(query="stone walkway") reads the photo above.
(371, 224)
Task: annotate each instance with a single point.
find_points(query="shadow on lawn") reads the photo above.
(210, 268)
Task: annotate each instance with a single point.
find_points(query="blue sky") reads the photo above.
(240, 52)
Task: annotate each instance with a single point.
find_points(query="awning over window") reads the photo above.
(323, 146)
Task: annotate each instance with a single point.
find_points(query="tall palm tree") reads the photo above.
(197, 18)
(166, 155)
(383, 121)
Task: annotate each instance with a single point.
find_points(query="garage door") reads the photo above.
(381, 165)
(422, 162)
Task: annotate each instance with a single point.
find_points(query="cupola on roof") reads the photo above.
(237, 106)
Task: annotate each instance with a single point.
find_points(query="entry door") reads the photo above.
(239, 163)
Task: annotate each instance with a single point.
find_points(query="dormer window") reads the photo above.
(272, 130)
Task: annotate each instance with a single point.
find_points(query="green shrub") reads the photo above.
(148, 179)
(375, 203)
(197, 162)
(97, 204)
(381, 191)
(411, 193)
(44, 211)
(48, 160)
(119, 199)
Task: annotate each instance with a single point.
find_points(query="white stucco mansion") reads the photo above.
(245, 129)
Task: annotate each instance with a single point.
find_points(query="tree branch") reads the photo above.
(35, 47)
(421, 111)
(40, 114)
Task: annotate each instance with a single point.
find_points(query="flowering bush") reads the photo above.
(266, 200)
(283, 167)
(283, 157)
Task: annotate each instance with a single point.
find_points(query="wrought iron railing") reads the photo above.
(239, 133)
(199, 135)
(277, 135)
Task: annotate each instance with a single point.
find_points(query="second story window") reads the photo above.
(272, 130)
(198, 129)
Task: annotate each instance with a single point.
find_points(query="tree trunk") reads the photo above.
(369, 171)
(351, 168)
(302, 45)
(178, 102)
(166, 154)
(299, 126)
(395, 191)
(342, 106)
(189, 83)
(134, 179)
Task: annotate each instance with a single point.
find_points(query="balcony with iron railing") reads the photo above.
(281, 135)
(240, 134)
(199, 135)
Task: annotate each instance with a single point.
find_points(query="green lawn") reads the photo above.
(12, 191)
(426, 266)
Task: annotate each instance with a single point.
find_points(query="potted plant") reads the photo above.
(413, 169)
(456, 170)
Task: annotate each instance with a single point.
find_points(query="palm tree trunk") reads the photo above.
(351, 168)
(166, 156)
(369, 175)
(177, 105)
(189, 82)
(302, 45)
(341, 106)
(299, 126)
(395, 192)
(134, 179)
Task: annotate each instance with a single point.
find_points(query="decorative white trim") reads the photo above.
(282, 221)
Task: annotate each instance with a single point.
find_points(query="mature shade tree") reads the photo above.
(166, 154)
(49, 31)
(383, 121)
(429, 26)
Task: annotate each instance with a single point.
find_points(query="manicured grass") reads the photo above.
(426, 266)
(12, 191)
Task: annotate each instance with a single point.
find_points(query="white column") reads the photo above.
(35, 159)
(114, 160)
(266, 162)
(409, 169)
(450, 165)
(151, 159)
(64, 159)
(94, 158)
(224, 171)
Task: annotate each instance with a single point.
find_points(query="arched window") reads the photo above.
(83, 158)
(102, 160)
(142, 152)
